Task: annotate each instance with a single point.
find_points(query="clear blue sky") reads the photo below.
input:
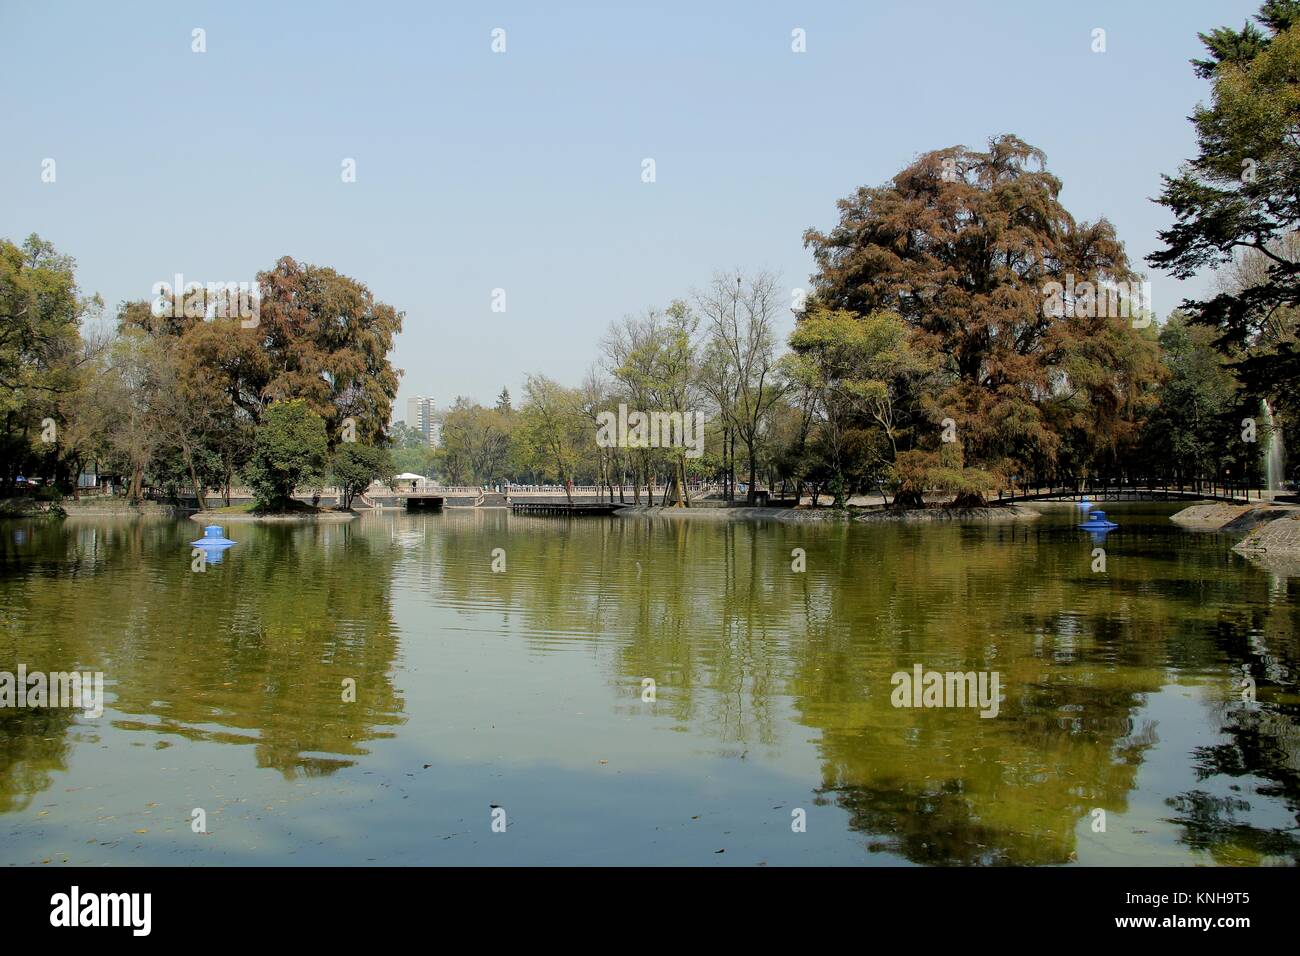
(522, 170)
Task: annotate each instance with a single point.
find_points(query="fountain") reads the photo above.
(214, 536)
(1273, 451)
(214, 543)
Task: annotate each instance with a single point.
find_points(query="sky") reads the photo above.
(522, 170)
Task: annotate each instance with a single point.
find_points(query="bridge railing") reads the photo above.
(1214, 488)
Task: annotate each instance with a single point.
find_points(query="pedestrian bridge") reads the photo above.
(1229, 495)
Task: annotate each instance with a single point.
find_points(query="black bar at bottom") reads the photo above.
(372, 906)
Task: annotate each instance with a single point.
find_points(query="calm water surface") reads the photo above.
(523, 690)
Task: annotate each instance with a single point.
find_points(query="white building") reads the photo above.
(419, 415)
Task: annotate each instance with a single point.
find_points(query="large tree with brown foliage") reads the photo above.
(964, 245)
(317, 336)
(327, 340)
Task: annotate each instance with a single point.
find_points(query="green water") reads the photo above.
(523, 690)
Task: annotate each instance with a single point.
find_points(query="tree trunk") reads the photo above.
(750, 494)
(909, 499)
(198, 488)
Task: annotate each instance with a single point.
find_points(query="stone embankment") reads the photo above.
(1272, 531)
(1240, 519)
(1282, 534)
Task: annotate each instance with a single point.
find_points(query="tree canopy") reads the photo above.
(1236, 200)
(966, 247)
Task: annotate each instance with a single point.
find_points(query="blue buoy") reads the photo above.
(213, 543)
(214, 536)
(1097, 522)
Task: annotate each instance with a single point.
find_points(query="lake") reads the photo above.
(508, 717)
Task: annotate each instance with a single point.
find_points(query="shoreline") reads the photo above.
(730, 514)
(1270, 532)
(994, 513)
(248, 517)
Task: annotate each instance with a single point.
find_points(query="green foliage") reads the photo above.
(1195, 425)
(555, 430)
(476, 443)
(1237, 198)
(42, 356)
(407, 436)
(289, 449)
(858, 375)
(417, 461)
(355, 466)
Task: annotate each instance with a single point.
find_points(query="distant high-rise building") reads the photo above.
(419, 415)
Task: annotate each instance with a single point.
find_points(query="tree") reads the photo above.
(84, 415)
(1236, 203)
(403, 435)
(653, 361)
(740, 363)
(475, 442)
(631, 348)
(410, 450)
(555, 429)
(1192, 428)
(130, 382)
(289, 448)
(42, 356)
(191, 417)
(858, 373)
(327, 340)
(1022, 307)
(355, 466)
(676, 385)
